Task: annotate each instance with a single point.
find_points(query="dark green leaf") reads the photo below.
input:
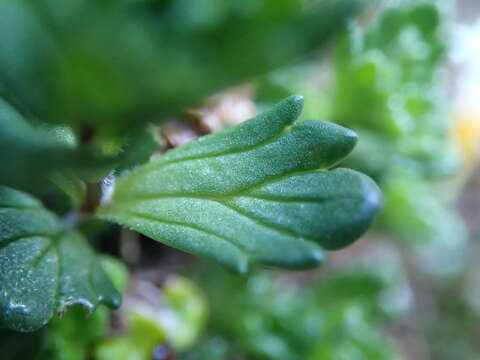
(71, 185)
(252, 193)
(14, 345)
(26, 151)
(115, 65)
(30, 154)
(138, 148)
(44, 268)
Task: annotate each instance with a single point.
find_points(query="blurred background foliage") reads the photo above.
(106, 84)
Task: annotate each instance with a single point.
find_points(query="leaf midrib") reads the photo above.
(158, 164)
(266, 181)
(278, 229)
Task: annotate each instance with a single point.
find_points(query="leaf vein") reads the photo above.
(191, 226)
(264, 223)
(218, 197)
(5, 242)
(156, 165)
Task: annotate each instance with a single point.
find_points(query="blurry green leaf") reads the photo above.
(114, 65)
(71, 185)
(72, 336)
(26, 152)
(176, 320)
(415, 212)
(138, 343)
(264, 317)
(252, 193)
(385, 76)
(25, 48)
(189, 306)
(213, 349)
(138, 148)
(117, 272)
(29, 154)
(44, 268)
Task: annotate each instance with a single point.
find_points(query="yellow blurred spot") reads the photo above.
(466, 134)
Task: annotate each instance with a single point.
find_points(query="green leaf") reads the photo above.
(44, 268)
(72, 336)
(32, 150)
(138, 342)
(62, 61)
(176, 318)
(252, 193)
(139, 147)
(71, 185)
(189, 305)
(30, 154)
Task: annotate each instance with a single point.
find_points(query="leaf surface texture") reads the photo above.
(254, 193)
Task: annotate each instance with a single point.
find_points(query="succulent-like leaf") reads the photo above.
(44, 268)
(252, 193)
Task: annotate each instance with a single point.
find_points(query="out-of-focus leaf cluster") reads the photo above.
(388, 86)
(263, 317)
(175, 321)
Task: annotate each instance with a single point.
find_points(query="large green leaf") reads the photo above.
(252, 193)
(44, 268)
(113, 65)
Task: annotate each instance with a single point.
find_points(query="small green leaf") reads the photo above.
(138, 342)
(44, 268)
(72, 336)
(252, 193)
(33, 151)
(138, 148)
(71, 185)
(30, 154)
